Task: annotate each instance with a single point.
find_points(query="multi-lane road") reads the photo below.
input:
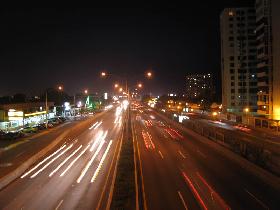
(180, 171)
(77, 174)
(176, 169)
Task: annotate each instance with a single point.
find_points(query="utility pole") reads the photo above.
(46, 109)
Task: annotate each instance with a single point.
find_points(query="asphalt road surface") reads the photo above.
(181, 172)
(72, 176)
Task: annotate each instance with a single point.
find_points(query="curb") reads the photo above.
(4, 181)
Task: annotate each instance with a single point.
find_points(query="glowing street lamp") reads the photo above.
(116, 85)
(103, 74)
(120, 89)
(60, 88)
(86, 91)
(140, 85)
(149, 74)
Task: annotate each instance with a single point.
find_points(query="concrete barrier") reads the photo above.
(4, 181)
(266, 176)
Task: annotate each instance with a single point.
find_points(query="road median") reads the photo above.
(124, 189)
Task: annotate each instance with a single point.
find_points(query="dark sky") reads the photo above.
(43, 47)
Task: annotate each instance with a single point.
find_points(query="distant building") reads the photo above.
(238, 59)
(268, 55)
(199, 87)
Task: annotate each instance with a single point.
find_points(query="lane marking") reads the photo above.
(160, 154)
(20, 154)
(15, 144)
(183, 201)
(258, 200)
(61, 164)
(57, 207)
(202, 154)
(93, 125)
(214, 193)
(182, 154)
(90, 162)
(72, 163)
(49, 163)
(40, 163)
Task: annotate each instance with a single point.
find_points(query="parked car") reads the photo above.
(41, 126)
(63, 119)
(29, 129)
(12, 135)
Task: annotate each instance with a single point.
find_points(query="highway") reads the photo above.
(77, 174)
(179, 171)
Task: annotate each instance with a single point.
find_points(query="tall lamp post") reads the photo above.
(247, 118)
(60, 88)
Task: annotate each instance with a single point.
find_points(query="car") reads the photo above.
(63, 119)
(41, 126)
(12, 135)
(53, 121)
(29, 129)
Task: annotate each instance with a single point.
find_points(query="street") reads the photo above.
(182, 172)
(72, 176)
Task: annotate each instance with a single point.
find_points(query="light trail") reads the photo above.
(101, 162)
(61, 164)
(90, 162)
(40, 163)
(196, 194)
(93, 125)
(120, 119)
(72, 163)
(98, 138)
(97, 125)
(214, 193)
(45, 166)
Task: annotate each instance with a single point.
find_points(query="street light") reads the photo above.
(246, 111)
(120, 89)
(60, 88)
(149, 74)
(116, 85)
(140, 85)
(103, 74)
(86, 91)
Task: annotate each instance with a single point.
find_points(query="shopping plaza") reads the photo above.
(14, 116)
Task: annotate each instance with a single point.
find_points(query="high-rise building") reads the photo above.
(238, 59)
(199, 87)
(268, 55)
(276, 58)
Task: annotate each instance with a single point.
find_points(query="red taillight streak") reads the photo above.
(196, 194)
(221, 201)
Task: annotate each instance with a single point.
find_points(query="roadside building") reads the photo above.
(238, 60)
(17, 115)
(268, 54)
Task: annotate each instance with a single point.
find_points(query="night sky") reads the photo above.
(42, 48)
